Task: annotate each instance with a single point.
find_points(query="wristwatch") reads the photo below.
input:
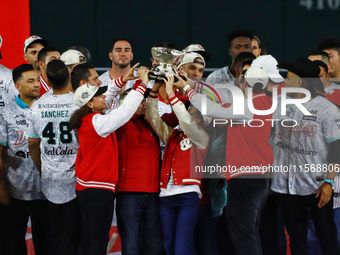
(331, 182)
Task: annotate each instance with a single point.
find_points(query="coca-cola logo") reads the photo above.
(302, 127)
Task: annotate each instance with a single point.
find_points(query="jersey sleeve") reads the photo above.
(331, 124)
(32, 130)
(3, 129)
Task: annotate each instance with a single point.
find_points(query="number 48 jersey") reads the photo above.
(49, 121)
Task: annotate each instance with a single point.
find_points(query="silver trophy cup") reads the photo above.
(167, 60)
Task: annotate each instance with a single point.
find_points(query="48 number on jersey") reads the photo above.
(65, 135)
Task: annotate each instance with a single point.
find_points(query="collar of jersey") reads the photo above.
(21, 103)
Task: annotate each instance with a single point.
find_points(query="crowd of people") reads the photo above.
(227, 165)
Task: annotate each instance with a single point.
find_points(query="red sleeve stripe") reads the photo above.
(153, 94)
(172, 97)
(119, 82)
(191, 93)
(141, 89)
(174, 101)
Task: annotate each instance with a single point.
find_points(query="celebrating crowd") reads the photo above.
(228, 165)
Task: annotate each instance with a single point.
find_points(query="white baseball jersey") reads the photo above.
(23, 177)
(8, 92)
(49, 121)
(300, 152)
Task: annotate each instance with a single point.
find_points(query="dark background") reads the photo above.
(287, 28)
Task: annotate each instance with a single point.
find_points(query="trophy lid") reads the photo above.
(165, 55)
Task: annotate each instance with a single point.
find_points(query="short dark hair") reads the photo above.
(240, 58)
(247, 62)
(117, 39)
(57, 74)
(239, 33)
(43, 52)
(19, 70)
(321, 63)
(168, 45)
(329, 43)
(80, 72)
(324, 55)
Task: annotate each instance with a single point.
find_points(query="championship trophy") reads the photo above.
(167, 60)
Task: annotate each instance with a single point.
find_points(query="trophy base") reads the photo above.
(159, 77)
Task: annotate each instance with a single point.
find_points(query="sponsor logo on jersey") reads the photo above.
(312, 118)
(59, 151)
(297, 150)
(70, 105)
(23, 154)
(314, 111)
(21, 122)
(21, 139)
(20, 115)
(302, 127)
(2, 103)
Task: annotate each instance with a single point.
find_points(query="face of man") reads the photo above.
(31, 54)
(255, 47)
(238, 45)
(292, 81)
(241, 79)
(324, 77)
(121, 54)
(94, 78)
(334, 62)
(28, 85)
(194, 70)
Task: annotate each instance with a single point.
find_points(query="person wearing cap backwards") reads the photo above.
(309, 148)
(247, 190)
(97, 161)
(197, 48)
(32, 46)
(53, 149)
(71, 59)
(8, 92)
(239, 41)
(180, 192)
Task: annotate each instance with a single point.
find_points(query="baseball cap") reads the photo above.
(305, 68)
(71, 57)
(198, 49)
(86, 92)
(269, 63)
(190, 58)
(32, 39)
(334, 96)
(256, 74)
(0, 46)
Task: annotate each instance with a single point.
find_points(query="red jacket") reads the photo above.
(182, 161)
(97, 158)
(139, 157)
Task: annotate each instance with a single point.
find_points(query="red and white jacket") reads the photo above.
(97, 157)
(185, 147)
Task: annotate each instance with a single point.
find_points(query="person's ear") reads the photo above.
(90, 104)
(17, 86)
(82, 82)
(41, 65)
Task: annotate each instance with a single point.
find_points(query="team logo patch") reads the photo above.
(185, 144)
(85, 95)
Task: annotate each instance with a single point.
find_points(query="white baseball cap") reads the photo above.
(86, 92)
(71, 57)
(198, 49)
(32, 39)
(190, 58)
(256, 74)
(269, 63)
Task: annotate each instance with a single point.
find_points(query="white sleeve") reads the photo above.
(216, 110)
(113, 89)
(12, 91)
(106, 124)
(195, 133)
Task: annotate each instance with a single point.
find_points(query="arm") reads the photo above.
(214, 110)
(34, 148)
(194, 132)
(106, 124)
(4, 192)
(152, 116)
